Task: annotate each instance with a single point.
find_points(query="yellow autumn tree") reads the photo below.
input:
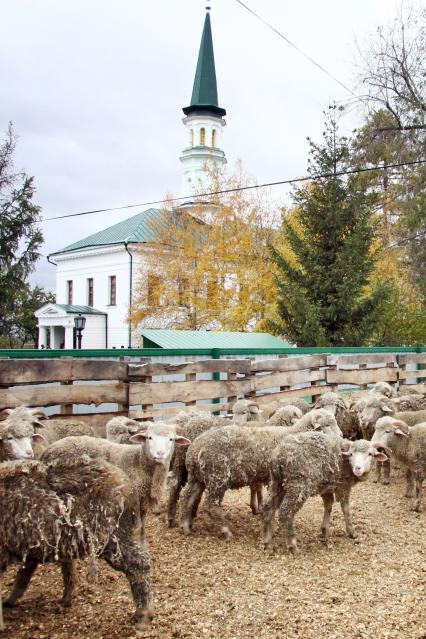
(209, 266)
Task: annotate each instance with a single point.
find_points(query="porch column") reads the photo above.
(42, 336)
(69, 337)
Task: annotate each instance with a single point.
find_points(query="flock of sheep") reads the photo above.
(68, 494)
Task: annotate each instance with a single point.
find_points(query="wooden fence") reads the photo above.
(151, 389)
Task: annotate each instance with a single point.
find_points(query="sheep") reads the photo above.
(55, 429)
(235, 456)
(410, 402)
(383, 388)
(313, 463)
(146, 465)
(346, 417)
(72, 508)
(191, 425)
(267, 410)
(245, 410)
(379, 406)
(18, 433)
(407, 445)
(120, 429)
(404, 389)
(284, 416)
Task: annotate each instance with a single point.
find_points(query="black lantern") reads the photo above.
(79, 324)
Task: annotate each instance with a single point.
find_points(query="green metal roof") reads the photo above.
(138, 228)
(87, 310)
(204, 93)
(168, 338)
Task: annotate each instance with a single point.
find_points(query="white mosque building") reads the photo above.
(95, 277)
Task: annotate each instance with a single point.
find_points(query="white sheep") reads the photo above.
(120, 429)
(245, 410)
(408, 446)
(235, 456)
(19, 431)
(146, 465)
(314, 463)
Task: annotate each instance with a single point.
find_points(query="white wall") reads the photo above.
(98, 264)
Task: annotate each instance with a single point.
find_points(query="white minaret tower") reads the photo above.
(203, 122)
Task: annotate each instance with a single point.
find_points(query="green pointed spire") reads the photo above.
(204, 93)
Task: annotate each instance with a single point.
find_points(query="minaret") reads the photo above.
(204, 121)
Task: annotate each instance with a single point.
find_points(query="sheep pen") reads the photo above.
(204, 588)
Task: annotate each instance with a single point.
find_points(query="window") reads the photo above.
(112, 290)
(154, 291)
(202, 136)
(214, 137)
(69, 291)
(90, 291)
(183, 292)
(191, 137)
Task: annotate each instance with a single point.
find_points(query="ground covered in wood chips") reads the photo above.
(206, 587)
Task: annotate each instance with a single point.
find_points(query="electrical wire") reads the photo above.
(191, 198)
(308, 57)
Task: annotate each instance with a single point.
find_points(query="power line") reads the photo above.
(308, 57)
(241, 188)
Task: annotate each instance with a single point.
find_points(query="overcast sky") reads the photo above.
(95, 91)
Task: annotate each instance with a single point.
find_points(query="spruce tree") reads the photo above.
(326, 257)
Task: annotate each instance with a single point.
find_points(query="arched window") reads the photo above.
(214, 137)
(202, 136)
(191, 137)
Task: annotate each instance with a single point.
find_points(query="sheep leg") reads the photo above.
(409, 489)
(22, 579)
(270, 507)
(328, 501)
(190, 496)
(132, 559)
(378, 476)
(344, 504)
(418, 499)
(1, 605)
(175, 490)
(292, 502)
(256, 498)
(386, 471)
(69, 575)
(215, 512)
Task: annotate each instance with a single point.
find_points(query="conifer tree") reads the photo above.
(326, 257)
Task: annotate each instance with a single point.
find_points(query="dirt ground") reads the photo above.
(206, 587)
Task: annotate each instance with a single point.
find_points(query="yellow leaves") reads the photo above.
(211, 261)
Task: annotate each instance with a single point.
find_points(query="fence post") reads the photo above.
(216, 376)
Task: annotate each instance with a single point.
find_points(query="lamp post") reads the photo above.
(79, 324)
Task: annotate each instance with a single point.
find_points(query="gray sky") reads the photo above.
(95, 91)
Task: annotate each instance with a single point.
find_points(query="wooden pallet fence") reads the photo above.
(370, 368)
(417, 359)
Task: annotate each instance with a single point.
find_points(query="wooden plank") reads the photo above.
(159, 392)
(363, 376)
(289, 378)
(204, 366)
(52, 395)
(308, 391)
(291, 363)
(360, 358)
(411, 358)
(418, 373)
(38, 371)
(174, 410)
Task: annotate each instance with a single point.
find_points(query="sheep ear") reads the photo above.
(38, 424)
(379, 456)
(386, 409)
(37, 437)
(346, 454)
(139, 437)
(182, 441)
(398, 431)
(385, 448)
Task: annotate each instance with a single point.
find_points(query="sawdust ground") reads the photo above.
(206, 587)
